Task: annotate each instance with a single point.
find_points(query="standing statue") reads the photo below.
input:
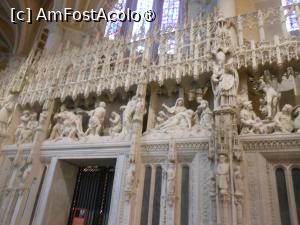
(96, 120)
(271, 98)
(22, 129)
(283, 120)
(222, 175)
(238, 181)
(6, 114)
(115, 124)
(205, 116)
(224, 80)
(128, 113)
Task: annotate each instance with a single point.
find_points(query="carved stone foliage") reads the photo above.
(180, 121)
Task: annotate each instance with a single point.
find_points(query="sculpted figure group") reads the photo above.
(178, 118)
(68, 123)
(285, 121)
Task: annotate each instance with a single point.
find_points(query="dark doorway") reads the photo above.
(92, 195)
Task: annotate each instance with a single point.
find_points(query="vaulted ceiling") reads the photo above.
(18, 38)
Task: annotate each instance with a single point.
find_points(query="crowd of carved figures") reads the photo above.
(68, 123)
(285, 120)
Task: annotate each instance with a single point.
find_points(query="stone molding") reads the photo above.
(271, 143)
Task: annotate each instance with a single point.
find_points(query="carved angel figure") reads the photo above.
(96, 120)
(116, 126)
(224, 80)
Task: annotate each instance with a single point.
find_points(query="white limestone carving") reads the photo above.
(182, 122)
(97, 116)
(6, 115)
(271, 98)
(222, 174)
(115, 124)
(283, 120)
(250, 122)
(224, 80)
(205, 116)
(130, 180)
(68, 125)
(296, 118)
(238, 193)
(128, 114)
(26, 129)
(176, 117)
(238, 181)
(171, 176)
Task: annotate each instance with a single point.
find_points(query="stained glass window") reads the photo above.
(170, 13)
(142, 7)
(114, 28)
(291, 22)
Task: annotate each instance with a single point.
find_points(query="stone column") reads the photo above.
(227, 7)
(45, 192)
(117, 191)
(134, 166)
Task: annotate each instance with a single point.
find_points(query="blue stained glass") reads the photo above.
(170, 13)
(113, 28)
(291, 21)
(142, 7)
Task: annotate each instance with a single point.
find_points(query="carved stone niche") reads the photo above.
(93, 119)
